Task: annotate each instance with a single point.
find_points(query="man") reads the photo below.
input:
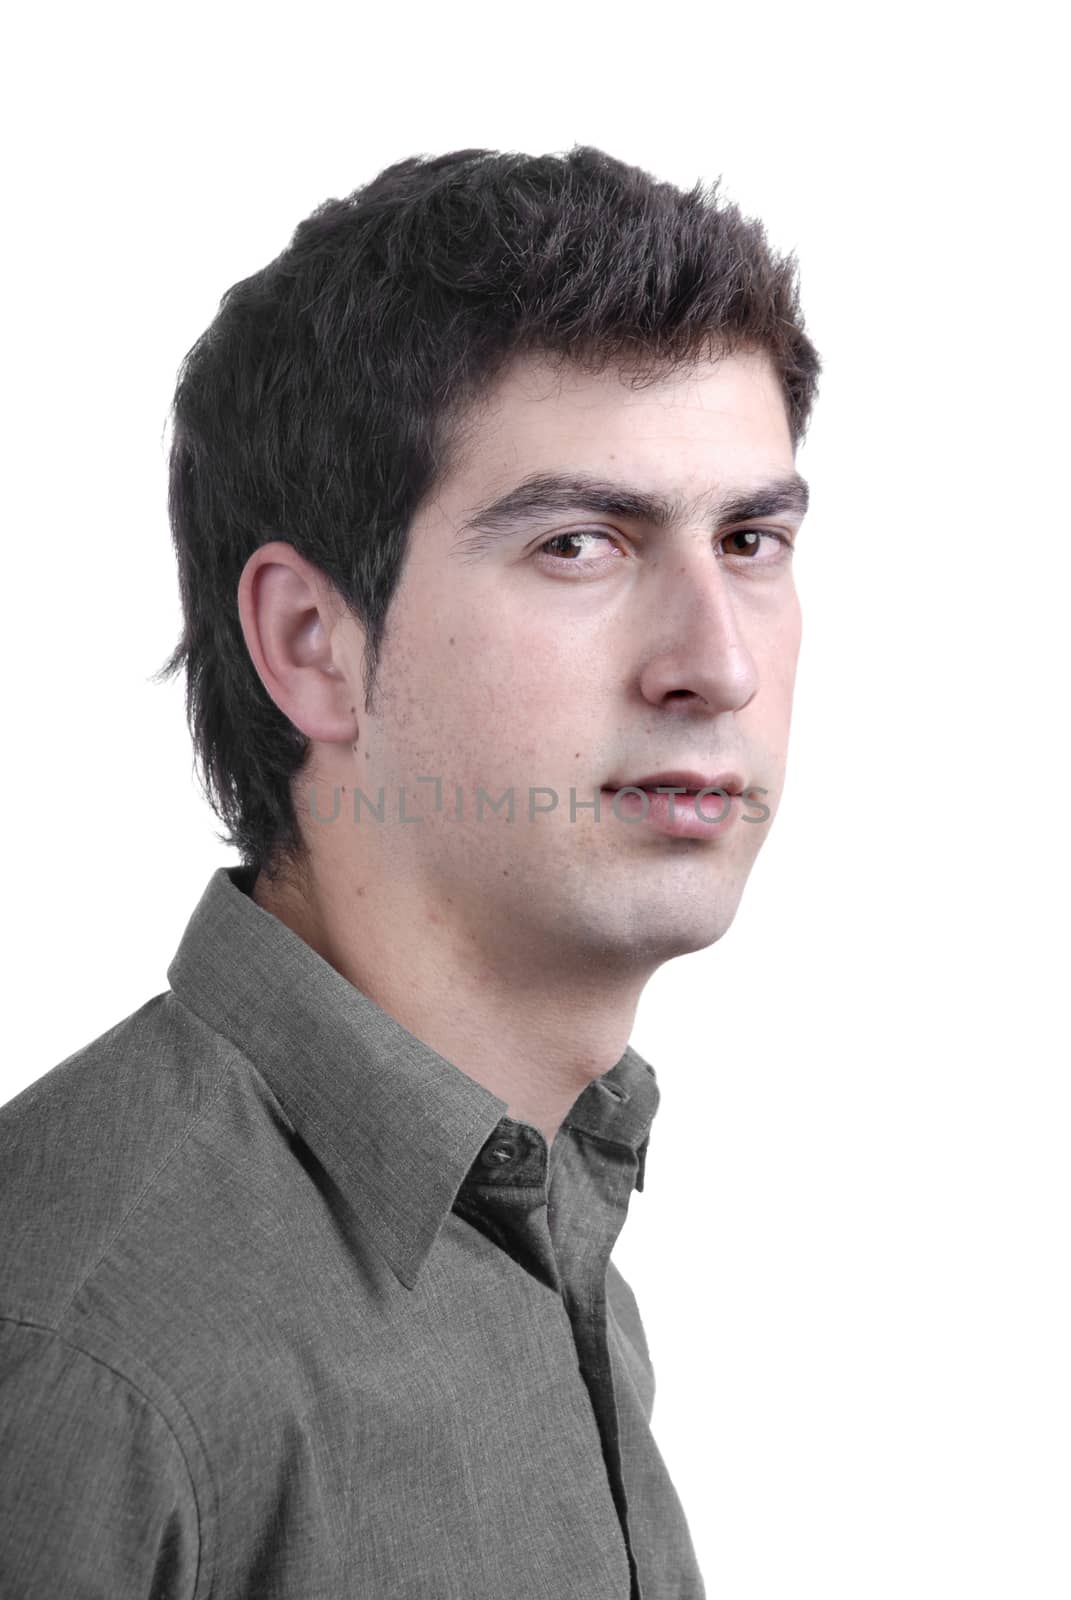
(484, 499)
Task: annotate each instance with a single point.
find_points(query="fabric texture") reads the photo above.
(290, 1307)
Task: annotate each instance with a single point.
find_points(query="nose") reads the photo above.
(698, 652)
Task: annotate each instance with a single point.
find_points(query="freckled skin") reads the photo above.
(506, 670)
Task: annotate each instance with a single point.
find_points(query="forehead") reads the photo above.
(728, 414)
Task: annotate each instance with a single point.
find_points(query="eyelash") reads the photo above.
(599, 533)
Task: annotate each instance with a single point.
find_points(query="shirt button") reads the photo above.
(499, 1153)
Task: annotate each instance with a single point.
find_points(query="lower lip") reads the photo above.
(716, 812)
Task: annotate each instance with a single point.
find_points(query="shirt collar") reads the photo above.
(396, 1126)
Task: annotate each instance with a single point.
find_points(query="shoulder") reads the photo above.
(162, 1037)
(82, 1145)
(100, 1491)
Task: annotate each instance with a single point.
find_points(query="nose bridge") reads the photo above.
(699, 640)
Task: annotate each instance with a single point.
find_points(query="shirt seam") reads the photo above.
(137, 1200)
(61, 1338)
(240, 1050)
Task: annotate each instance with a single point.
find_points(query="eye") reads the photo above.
(558, 550)
(750, 545)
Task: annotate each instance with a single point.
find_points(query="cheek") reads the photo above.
(554, 687)
(782, 650)
(508, 654)
(769, 715)
(471, 694)
(487, 679)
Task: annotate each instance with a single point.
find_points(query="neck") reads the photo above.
(532, 1025)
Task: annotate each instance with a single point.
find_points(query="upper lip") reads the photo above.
(692, 781)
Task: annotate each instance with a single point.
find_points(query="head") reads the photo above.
(361, 611)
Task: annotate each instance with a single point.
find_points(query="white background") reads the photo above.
(852, 1251)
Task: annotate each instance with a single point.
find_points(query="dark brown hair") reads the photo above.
(332, 391)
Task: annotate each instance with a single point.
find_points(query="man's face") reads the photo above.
(511, 662)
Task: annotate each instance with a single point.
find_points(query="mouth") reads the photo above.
(678, 804)
(690, 781)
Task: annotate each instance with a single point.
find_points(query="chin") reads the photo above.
(653, 938)
(691, 940)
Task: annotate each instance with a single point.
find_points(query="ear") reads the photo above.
(302, 640)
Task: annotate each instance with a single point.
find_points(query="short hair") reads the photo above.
(331, 393)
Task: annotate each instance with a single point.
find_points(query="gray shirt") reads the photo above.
(289, 1306)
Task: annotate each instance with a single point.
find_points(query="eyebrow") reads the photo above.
(552, 493)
